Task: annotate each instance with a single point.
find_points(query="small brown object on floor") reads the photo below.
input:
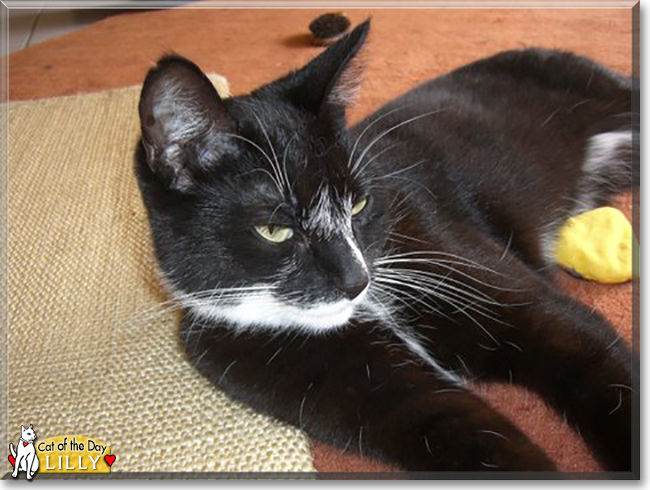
(329, 28)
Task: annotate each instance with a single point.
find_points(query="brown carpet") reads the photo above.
(407, 47)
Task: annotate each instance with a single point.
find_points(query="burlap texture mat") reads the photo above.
(92, 350)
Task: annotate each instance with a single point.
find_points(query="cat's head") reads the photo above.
(259, 215)
(27, 434)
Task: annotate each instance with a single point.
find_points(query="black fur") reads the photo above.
(473, 186)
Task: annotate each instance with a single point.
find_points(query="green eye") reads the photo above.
(275, 234)
(359, 205)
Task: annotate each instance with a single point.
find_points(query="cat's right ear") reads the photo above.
(181, 117)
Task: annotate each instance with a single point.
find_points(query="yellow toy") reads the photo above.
(598, 245)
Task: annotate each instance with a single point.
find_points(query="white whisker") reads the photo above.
(276, 179)
(366, 129)
(390, 130)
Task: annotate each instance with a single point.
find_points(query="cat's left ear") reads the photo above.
(331, 81)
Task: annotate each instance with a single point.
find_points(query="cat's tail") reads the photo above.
(11, 449)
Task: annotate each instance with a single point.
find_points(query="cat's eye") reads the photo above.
(275, 234)
(359, 205)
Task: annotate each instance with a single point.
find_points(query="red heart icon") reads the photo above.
(25, 444)
(12, 460)
(110, 459)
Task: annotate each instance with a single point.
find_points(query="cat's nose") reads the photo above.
(341, 258)
(353, 283)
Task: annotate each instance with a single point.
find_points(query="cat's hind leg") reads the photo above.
(609, 167)
(575, 143)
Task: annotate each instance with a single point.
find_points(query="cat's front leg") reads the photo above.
(574, 359)
(449, 429)
(364, 389)
(32, 466)
(29, 463)
(35, 464)
(506, 323)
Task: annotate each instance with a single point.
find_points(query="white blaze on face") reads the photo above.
(325, 218)
(349, 237)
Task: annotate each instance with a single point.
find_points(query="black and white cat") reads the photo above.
(349, 281)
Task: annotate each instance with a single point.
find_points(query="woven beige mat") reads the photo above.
(90, 349)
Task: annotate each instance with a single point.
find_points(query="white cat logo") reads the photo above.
(25, 457)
